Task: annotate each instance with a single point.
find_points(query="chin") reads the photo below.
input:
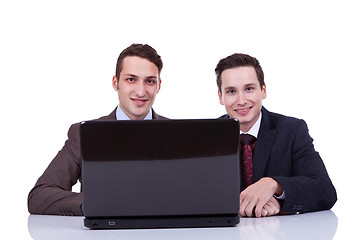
(241, 118)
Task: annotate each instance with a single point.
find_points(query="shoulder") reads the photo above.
(157, 116)
(161, 117)
(224, 116)
(281, 121)
(74, 128)
(288, 129)
(285, 126)
(111, 116)
(289, 132)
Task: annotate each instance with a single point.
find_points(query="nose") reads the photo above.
(140, 89)
(242, 99)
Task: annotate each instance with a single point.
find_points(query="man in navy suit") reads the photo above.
(288, 175)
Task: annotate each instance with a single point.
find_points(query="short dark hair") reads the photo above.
(139, 50)
(238, 60)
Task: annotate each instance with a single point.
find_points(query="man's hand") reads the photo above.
(258, 198)
(272, 207)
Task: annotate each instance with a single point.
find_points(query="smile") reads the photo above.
(243, 111)
(139, 102)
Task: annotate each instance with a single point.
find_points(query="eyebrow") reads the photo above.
(131, 75)
(136, 76)
(245, 86)
(227, 88)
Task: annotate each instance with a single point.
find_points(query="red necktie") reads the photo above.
(247, 147)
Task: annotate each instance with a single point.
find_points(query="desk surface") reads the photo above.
(317, 225)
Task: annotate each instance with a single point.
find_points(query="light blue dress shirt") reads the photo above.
(120, 115)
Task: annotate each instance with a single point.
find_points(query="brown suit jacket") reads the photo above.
(52, 192)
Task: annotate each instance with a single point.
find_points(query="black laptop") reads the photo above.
(160, 173)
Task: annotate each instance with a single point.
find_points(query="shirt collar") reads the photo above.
(254, 130)
(120, 115)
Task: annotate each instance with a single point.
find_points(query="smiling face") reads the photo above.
(242, 95)
(137, 86)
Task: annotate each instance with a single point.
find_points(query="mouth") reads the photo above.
(243, 111)
(139, 101)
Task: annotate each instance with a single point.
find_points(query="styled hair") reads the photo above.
(238, 60)
(139, 50)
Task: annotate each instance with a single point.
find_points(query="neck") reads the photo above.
(252, 129)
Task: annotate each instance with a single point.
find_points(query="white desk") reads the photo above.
(318, 225)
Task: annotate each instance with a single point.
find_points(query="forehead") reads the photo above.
(239, 76)
(138, 66)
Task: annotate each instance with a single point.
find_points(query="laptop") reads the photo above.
(160, 173)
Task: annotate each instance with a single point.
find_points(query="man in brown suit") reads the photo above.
(137, 82)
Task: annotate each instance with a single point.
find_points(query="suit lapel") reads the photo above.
(154, 114)
(263, 145)
(157, 116)
(112, 115)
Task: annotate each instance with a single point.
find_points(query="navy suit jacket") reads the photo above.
(284, 151)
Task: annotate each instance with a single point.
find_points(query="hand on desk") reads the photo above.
(258, 199)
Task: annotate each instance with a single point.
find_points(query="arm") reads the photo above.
(52, 192)
(309, 188)
(298, 169)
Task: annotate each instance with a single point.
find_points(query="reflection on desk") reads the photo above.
(317, 225)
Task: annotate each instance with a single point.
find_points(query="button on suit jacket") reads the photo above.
(52, 192)
(284, 151)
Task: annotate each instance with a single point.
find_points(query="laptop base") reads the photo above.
(161, 222)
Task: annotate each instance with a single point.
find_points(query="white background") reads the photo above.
(57, 59)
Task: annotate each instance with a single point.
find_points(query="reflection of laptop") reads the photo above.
(160, 173)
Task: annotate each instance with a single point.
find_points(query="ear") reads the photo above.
(220, 98)
(159, 85)
(264, 93)
(115, 83)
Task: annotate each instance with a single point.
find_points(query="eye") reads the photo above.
(130, 79)
(151, 82)
(249, 89)
(230, 91)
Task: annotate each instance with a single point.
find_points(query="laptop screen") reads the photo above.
(160, 167)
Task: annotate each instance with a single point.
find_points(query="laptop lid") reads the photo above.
(160, 168)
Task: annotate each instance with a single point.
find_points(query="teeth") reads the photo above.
(243, 111)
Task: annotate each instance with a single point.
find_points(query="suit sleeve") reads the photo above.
(309, 188)
(52, 192)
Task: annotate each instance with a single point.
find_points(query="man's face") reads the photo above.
(241, 95)
(137, 86)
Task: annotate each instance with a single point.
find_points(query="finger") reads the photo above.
(274, 203)
(273, 207)
(246, 205)
(258, 211)
(270, 211)
(276, 207)
(246, 209)
(264, 212)
(250, 208)
(243, 205)
(259, 207)
(243, 196)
